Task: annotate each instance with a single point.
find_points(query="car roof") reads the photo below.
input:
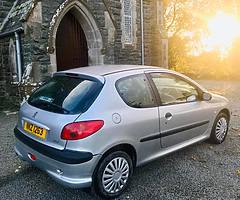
(103, 70)
(99, 71)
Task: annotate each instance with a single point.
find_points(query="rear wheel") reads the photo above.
(113, 174)
(220, 128)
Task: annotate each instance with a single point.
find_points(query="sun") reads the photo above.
(223, 29)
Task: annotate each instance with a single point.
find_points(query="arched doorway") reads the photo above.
(71, 44)
(89, 27)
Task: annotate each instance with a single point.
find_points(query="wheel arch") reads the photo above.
(125, 147)
(226, 111)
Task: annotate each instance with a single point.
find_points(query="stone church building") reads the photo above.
(40, 37)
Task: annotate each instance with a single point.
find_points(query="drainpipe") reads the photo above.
(142, 31)
(19, 59)
(16, 32)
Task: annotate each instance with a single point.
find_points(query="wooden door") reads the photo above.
(71, 44)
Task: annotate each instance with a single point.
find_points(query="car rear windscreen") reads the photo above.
(66, 94)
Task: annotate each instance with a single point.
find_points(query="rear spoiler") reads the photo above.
(84, 76)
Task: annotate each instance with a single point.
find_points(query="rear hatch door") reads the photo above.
(51, 124)
(55, 104)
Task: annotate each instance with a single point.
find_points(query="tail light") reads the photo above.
(80, 130)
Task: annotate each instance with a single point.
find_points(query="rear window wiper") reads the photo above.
(41, 102)
(59, 107)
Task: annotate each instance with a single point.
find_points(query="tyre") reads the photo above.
(113, 175)
(220, 128)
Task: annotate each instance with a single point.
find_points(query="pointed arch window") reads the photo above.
(12, 59)
(127, 21)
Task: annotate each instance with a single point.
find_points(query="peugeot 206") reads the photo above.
(91, 126)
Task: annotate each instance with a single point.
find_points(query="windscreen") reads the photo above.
(66, 94)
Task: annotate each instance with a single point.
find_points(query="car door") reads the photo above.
(183, 115)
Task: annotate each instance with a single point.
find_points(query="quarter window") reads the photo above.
(172, 89)
(135, 91)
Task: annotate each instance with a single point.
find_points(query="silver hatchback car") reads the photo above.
(92, 126)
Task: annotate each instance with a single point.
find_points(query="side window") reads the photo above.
(135, 91)
(172, 89)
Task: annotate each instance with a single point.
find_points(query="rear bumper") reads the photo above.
(65, 156)
(70, 175)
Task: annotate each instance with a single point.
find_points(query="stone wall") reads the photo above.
(156, 42)
(113, 50)
(147, 32)
(127, 54)
(3, 60)
(5, 6)
(41, 57)
(8, 94)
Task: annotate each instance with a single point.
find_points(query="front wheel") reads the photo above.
(113, 174)
(220, 129)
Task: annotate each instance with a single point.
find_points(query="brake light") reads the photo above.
(80, 130)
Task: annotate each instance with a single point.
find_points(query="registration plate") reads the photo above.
(35, 130)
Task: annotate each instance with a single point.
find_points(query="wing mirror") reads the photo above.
(192, 98)
(206, 96)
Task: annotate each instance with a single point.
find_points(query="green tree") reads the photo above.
(186, 22)
(176, 21)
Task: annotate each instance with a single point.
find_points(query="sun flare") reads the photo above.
(223, 29)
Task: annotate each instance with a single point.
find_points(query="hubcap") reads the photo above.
(115, 175)
(221, 128)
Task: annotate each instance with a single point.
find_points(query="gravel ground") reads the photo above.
(202, 171)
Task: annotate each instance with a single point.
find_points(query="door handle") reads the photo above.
(168, 116)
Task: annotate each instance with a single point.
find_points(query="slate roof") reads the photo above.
(18, 14)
